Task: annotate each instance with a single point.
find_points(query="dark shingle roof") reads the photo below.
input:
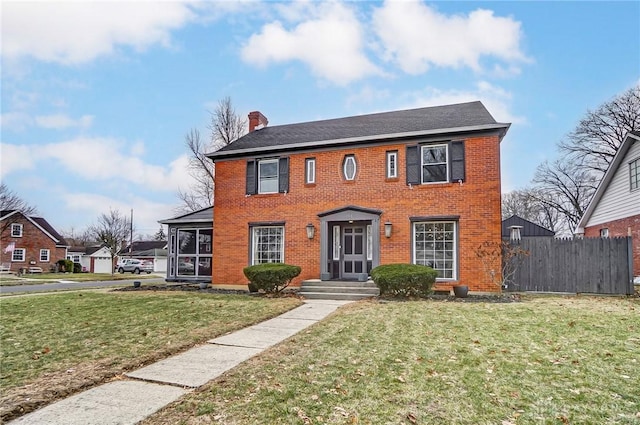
(365, 128)
(528, 228)
(146, 245)
(201, 216)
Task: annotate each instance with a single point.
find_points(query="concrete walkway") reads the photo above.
(149, 389)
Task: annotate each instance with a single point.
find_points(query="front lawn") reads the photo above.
(54, 345)
(39, 278)
(542, 361)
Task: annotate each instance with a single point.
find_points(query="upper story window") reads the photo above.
(16, 230)
(266, 176)
(349, 167)
(436, 163)
(310, 171)
(392, 164)
(634, 174)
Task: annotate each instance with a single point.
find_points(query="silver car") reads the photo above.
(135, 266)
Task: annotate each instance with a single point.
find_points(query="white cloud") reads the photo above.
(78, 32)
(17, 121)
(416, 36)
(62, 121)
(495, 99)
(101, 160)
(330, 41)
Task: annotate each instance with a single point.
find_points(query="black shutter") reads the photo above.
(413, 165)
(457, 161)
(283, 175)
(252, 188)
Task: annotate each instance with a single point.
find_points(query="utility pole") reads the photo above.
(131, 229)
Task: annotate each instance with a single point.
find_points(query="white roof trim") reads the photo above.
(604, 183)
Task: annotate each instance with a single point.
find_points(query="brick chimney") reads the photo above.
(257, 121)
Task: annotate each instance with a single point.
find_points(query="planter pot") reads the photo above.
(461, 291)
(136, 283)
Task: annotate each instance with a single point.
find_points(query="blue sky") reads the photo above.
(98, 96)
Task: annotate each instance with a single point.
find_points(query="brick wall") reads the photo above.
(33, 240)
(621, 227)
(476, 201)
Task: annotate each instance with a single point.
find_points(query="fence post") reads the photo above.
(630, 287)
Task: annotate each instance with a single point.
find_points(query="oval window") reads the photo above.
(349, 167)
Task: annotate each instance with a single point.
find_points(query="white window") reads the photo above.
(19, 254)
(310, 168)
(44, 255)
(349, 167)
(16, 230)
(604, 232)
(392, 164)
(267, 244)
(434, 164)
(634, 174)
(268, 176)
(434, 245)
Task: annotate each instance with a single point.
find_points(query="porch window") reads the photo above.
(16, 230)
(194, 252)
(267, 244)
(434, 245)
(634, 174)
(19, 254)
(44, 255)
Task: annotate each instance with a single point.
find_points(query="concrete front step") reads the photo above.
(334, 296)
(338, 290)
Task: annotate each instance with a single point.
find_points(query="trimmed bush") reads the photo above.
(77, 268)
(271, 277)
(404, 279)
(65, 266)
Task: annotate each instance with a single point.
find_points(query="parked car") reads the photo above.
(135, 266)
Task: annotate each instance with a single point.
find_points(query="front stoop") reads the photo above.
(338, 290)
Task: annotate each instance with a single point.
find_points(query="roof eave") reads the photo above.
(604, 183)
(501, 127)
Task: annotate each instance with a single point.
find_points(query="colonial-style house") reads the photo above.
(190, 246)
(341, 196)
(29, 243)
(614, 209)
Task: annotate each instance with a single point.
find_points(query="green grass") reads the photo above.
(39, 278)
(80, 338)
(542, 361)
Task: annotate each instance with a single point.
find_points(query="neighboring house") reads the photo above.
(614, 209)
(93, 259)
(190, 246)
(525, 228)
(155, 251)
(341, 196)
(29, 242)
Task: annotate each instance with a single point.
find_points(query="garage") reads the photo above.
(102, 265)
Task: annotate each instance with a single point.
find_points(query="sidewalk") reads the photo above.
(147, 390)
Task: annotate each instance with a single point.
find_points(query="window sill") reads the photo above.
(391, 179)
(310, 185)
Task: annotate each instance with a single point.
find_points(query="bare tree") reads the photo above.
(11, 201)
(598, 135)
(114, 230)
(566, 188)
(79, 238)
(225, 126)
(526, 203)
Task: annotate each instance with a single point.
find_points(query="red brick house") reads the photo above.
(29, 242)
(614, 209)
(341, 196)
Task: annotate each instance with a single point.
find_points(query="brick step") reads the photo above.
(338, 290)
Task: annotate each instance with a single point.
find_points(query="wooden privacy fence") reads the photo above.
(588, 265)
